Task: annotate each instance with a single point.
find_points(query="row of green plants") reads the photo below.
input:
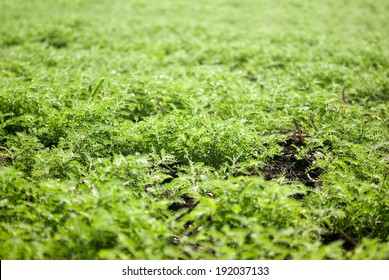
(145, 136)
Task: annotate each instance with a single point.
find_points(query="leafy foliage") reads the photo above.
(167, 130)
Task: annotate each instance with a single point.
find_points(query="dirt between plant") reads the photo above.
(290, 166)
(186, 202)
(4, 158)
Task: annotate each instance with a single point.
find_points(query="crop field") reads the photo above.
(209, 129)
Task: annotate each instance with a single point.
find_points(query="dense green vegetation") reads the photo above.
(210, 129)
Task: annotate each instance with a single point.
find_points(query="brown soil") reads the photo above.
(4, 158)
(185, 202)
(290, 166)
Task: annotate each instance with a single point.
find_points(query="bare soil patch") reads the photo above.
(289, 165)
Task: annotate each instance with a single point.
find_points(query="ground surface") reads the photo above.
(217, 129)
